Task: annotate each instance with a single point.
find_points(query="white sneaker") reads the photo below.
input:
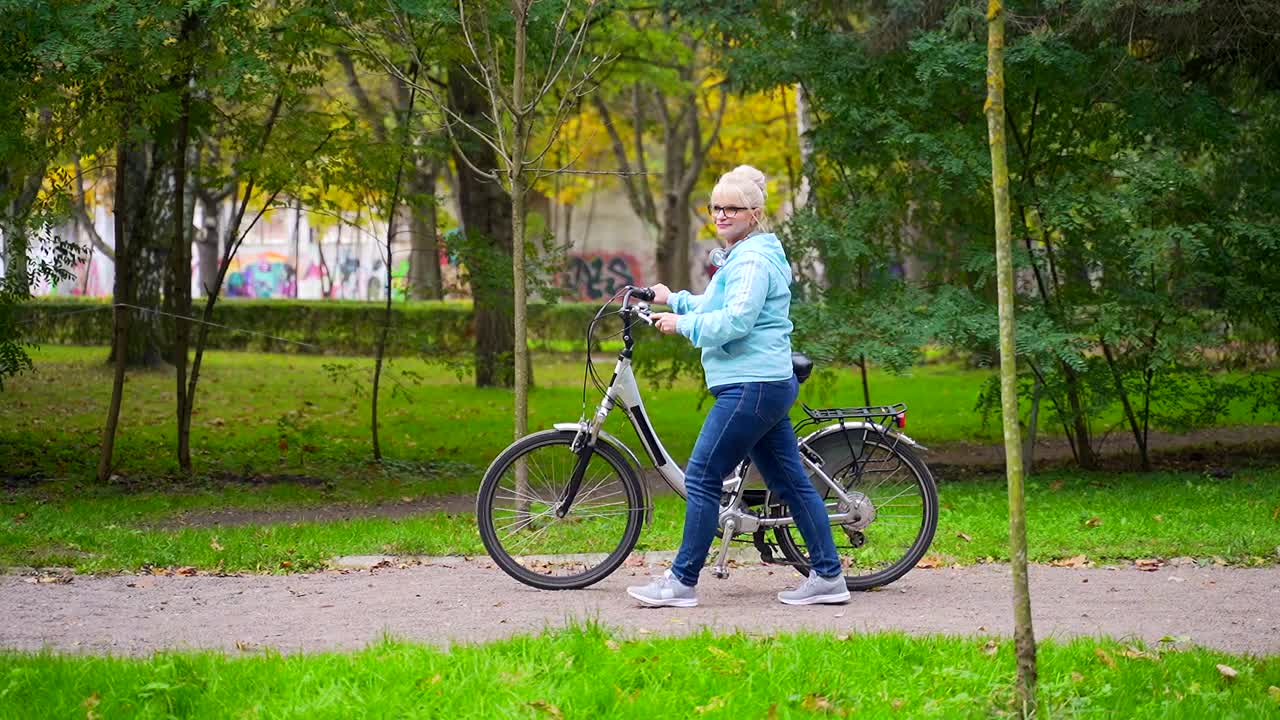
(665, 591)
(817, 590)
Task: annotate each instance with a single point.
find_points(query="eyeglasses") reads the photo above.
(730, 211)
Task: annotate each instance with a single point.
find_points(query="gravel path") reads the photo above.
(448, 601)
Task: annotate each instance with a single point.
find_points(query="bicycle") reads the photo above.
(563, 508)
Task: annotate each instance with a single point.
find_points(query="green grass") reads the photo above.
(1106, 517)
(588, 673)
(264, 414)
(260, 413)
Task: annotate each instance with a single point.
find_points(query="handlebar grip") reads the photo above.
(643, 293)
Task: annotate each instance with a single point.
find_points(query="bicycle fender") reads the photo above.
(621, 447)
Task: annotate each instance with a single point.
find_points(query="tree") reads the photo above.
(1023, 633)
(674, 96)
(519, 95)
(424, 280)
(1127, 191)
(35, 120)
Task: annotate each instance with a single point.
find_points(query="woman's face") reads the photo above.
(726, 202)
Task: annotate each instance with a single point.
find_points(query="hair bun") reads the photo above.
(750, 174)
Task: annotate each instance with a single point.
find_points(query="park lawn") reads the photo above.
(266, 415)
(587, 672)
(1104, 517)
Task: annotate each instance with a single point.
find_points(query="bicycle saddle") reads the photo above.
(802, 366)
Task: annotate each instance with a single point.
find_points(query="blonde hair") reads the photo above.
(748, 185)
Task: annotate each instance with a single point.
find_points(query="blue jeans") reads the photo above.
(750, 419)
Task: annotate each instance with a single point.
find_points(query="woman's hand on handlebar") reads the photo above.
(661, 293)
(665, 322)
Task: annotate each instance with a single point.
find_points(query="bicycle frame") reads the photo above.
(624, 392)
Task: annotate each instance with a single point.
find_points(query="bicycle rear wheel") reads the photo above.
(899, 508)
(516, 512)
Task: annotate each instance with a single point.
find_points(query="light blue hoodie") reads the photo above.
(742, 322)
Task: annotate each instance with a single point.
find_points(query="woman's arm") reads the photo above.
(746, 288)
(685, 302)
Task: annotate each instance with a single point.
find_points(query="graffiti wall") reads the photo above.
(266, 275)
(598, 275)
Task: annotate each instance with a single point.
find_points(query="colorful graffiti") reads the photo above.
(266, 276)
(595, 276)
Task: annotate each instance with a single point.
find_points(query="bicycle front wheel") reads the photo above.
(516, 512)
(898, 508)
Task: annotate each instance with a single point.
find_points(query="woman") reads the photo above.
(742, 325)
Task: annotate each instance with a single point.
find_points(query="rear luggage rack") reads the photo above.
(861, 413)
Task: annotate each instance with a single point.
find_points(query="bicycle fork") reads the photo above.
(583, 445)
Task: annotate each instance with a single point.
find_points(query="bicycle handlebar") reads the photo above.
(643, 293)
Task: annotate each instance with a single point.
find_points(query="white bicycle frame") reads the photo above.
(623, 392)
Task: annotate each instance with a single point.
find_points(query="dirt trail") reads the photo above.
(457, 600)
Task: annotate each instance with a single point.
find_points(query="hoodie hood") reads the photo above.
(766, 245)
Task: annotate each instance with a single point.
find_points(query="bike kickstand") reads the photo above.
(719, 569)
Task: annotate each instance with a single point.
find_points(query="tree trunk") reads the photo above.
(1023, 634)
(180, 252)
(129, 179)
(393, 211)
(207, 242)
(424, 253)
(149, 253)
(16, 274)
(1139, 434)
(486, 222)
(1083, 444)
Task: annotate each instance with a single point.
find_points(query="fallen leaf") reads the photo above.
(1134, 653)
(213, 543)
(964, 537)
(897, 703)
(715, 703)
(286, 564)
(244, 646)
(1274, 692)
(283, 444)
(817, 703)
(217, 422)
(1056, 485)
(1275, 513)
(185, 571)
(1075, 561)
(1158, 518)
(1227, 671)
(929, 562)
(1094, 521)
(406, 499)
(612, 644)
(1148, 564)
(92, 701)
(1105, 657)
(424, 682)
(991, 647)
(773, 712)
(1076, 677)
(547, 708)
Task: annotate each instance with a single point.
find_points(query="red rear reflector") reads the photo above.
(902, 420)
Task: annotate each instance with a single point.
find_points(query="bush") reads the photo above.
(329, 327)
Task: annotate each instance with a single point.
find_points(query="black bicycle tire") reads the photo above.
(484, 517)
(918, 548)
